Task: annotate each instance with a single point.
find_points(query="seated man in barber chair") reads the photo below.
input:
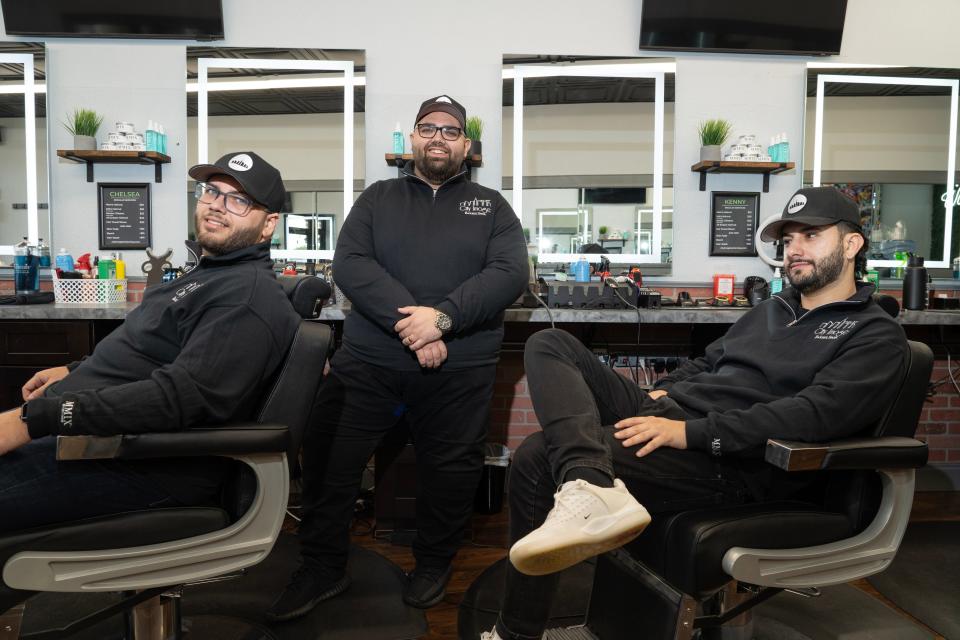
(197, 351)
(813, 363)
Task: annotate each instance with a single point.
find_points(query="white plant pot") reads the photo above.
(84, 143)
(710, 152)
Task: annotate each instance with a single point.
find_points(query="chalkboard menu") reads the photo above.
(733, 223)
(124, 215)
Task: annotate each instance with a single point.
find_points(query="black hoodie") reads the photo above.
(459, 249)
(782, 373)
(197, 351)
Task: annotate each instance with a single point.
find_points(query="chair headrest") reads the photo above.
(888, 304)
(306, 293)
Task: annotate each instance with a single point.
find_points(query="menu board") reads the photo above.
(733, 223)
(124, 215)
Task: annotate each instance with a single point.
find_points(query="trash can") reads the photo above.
(489, 497)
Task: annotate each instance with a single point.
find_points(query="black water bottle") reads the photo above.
(915, 284)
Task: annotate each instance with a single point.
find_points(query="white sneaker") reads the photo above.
(490, 635)
(586, 520)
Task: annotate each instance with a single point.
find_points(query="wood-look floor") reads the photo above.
(489, 544)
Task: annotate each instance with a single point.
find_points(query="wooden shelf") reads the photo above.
(397, 160)
(766, 168)
(91, 158)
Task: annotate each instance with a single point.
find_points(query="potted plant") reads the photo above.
(603, 232)
(83, 124)
(474, 131)
(713, 133)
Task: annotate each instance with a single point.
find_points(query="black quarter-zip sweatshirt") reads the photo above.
(198, 351)
(781, 373)
(459, 249)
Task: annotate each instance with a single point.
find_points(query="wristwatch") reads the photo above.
(443, 322)
(23, 412)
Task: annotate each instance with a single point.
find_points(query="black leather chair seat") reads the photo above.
(133, 529)
(687, 549)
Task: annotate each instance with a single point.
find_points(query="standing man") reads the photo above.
(816, 362)
(429, 261)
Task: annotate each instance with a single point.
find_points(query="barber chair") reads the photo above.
(698, 573)
(149, 555)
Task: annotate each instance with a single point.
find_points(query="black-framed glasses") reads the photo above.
(430, 131)
(236, 203)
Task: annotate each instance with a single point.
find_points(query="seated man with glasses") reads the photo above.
(196, 352)
(429, 261)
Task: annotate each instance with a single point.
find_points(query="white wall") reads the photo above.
(125, 82)
(407, 62)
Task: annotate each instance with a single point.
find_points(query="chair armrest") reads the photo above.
(855, 453)
(230, 440)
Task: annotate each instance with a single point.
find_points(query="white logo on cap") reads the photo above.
(241, 162)
(444, 99)
(799, 202)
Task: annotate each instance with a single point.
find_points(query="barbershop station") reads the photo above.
(554, 320)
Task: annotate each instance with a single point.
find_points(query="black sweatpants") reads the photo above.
(447, 412)
(577, 400)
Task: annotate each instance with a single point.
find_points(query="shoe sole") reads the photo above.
(546, 558)
(426, 604)
(338, 588)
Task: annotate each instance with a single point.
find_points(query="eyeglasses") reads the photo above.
(430, 131)
(237, 204)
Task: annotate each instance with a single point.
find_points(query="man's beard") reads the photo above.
(822, 273)
(436, 170)
(236, 239)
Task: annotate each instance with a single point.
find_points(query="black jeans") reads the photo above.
(577, 400)
(447, 412)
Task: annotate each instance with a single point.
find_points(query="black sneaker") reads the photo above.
(426, 587)
(308, 587)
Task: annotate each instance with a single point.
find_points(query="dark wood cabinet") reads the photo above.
(30, 346)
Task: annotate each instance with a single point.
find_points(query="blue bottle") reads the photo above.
(64, 261)
(398, 140)
(583, 270)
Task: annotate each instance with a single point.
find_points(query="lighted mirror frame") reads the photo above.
(581, 214)
(654, 71)
(29, 89)
(348, 81)
(823, 79)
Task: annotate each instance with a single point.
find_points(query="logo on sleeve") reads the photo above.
(66, 414)
(834, 329)
(476, 207)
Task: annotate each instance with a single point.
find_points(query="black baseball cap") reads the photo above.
(814, 207)
(445, 104)
(259, 179)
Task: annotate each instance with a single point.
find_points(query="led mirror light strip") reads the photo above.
(348, 82)
(30, 143)
(953, 85)
(654, 71)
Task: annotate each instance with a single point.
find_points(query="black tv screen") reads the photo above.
(813, 27)
(175, 19)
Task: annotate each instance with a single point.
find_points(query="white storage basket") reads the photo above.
(88, 291)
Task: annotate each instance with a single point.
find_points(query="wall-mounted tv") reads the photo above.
(814, 27)
(173, 19)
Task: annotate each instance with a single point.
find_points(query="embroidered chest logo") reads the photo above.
(476, 207)
(833, 330)
(186, 290)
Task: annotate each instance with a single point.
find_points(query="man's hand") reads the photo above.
(41, 380)
(656, 432)
(657, 393)
(432, 354)
(419, 327)
(13, 431)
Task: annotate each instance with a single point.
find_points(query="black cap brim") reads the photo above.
(774, 231)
